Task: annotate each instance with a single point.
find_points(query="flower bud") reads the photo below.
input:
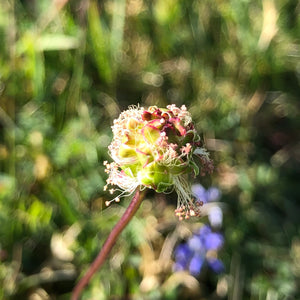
(156, 148)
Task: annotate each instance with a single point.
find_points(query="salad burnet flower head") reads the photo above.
(157, 148)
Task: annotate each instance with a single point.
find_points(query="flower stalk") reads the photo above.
(155, 148)
(111, 240)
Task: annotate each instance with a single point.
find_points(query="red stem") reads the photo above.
(97, 263)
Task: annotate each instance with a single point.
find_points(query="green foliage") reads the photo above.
(67, 68)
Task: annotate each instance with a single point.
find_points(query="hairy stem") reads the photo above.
(97, 263)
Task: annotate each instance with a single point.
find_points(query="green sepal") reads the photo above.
(151, 134)
(126, 152)
(195, 168)
(163, 187)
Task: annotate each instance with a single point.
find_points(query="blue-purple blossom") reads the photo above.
(201, 249)
(206, 196)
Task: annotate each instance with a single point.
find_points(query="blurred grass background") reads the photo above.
(67, 68)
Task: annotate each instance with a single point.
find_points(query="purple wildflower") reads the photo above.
(202, 248)
(210, 195)
(206, 196)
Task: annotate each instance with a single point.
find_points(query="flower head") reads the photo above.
(155, 148)
(202, 248)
